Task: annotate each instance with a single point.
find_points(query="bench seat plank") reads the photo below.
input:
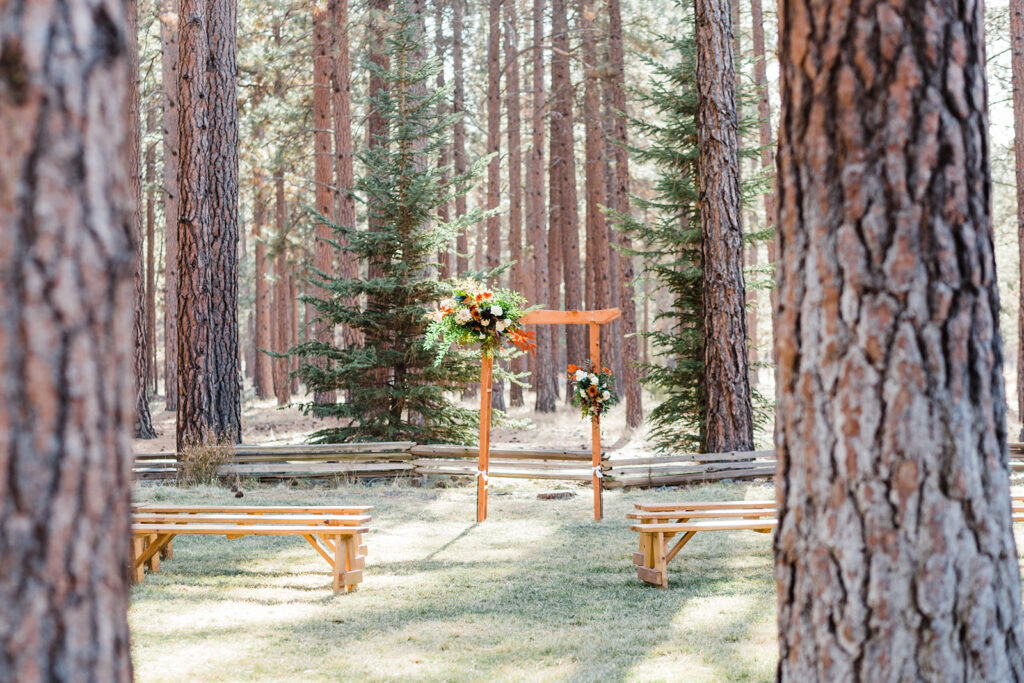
(255, 509)
(247, 529)
(705, 505)
(213, 518)
(707, 525)
(703, 514)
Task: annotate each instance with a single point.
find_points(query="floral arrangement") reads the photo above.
(594, 392)
(478, 316)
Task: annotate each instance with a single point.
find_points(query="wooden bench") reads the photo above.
(334, 532)
(658, 523)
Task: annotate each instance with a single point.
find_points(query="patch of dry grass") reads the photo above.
(539, 591)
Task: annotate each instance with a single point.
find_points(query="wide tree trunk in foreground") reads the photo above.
(620, 201)
(1017, 63)
(209, 392)
(544, 377)
(67, 394)
(143, 420)
(169, 80)
(727, 386)
(894, 556)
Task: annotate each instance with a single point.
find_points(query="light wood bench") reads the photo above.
(335, 532)
(659, 523)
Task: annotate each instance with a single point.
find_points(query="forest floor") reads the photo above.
(539, 591)
(264, 423)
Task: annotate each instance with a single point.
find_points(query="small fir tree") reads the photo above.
(670, 244)
(388, 385)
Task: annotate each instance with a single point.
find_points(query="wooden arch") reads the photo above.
(594, 320)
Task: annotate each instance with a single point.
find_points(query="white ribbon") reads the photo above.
(481, 473)
(596, 469)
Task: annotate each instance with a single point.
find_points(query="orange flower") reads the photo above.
(592, 391)
(487, 295)
(606, 371)
(573, 368)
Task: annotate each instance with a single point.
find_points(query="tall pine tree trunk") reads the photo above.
(343, 150)
(563, 175)
(621, 202)
(459, 131)
(282, 306)
(262, 366)
(1017, 63)
(143, 421)
(515, 171)
(727, 387)
(764, 115)
(209, 400)
(151, 370)
(493, 251)
(169, 89)
(446, 257)
(544, 377)
(598, 286)
(323, 168)
(67, 262)
(895, 556)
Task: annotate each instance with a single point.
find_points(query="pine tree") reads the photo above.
(402, 193)
(671, 245)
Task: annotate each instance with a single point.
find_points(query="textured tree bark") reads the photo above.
(262, 366)
(563, 174)
(169, 80)
(597, 227)
(143, 420)
(492, 255)
(894, 555)
(764, 115)
(446, 258)
(515, 172)
(1017, 65)
(375, 125)
(459, 131)
(621, 202)
(151, 370)
(293, 326)
(323, 167)
(343, 149)
(67, 261)
(544, 377)
(282, 307)
(209, 400)
(727, 386)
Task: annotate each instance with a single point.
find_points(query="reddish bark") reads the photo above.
(515, 166)
(262, 367)
(459, 131)
(67, 261)
(729, 416)
(169, 89)
(323, 170)
(282, 306)
(894, 554)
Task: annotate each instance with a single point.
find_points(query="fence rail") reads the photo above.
(404, 459)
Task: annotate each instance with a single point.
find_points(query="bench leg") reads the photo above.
(660, 561)
(138, 571)
(153, 563)
(339, 562)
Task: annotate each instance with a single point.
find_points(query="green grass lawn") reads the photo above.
(539, 592)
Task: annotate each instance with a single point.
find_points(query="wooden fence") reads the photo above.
(406, 459)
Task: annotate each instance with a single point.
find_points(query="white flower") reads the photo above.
(483, 336)
(581, 375)
(463, 316)
(485, 323)
(583, 392)
(447, 303)
(606, 396)
(593, 379)
(496, 311)
(501, 325)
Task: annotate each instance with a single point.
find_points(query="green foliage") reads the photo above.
(389, 387)
(670, 241)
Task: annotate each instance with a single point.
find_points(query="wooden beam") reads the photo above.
(483, 458)
(546, 317)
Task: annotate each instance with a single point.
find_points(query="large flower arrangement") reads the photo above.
(594, 392)
(474, 315)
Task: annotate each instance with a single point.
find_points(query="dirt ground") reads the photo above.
(264, 423)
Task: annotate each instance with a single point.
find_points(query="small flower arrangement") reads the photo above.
(594, 392)
(475, 315)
